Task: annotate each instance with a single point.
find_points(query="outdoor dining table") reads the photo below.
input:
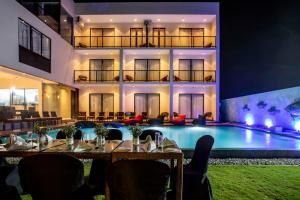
(113, 150)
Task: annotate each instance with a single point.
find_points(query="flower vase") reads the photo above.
(135, 141)
(70, 142)
(100, 141)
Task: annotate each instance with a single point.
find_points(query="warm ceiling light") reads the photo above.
(180, 53)
(204, 20)
(183, 20)
(88, 20)
(86, 54)
(45, 21)
(203, 53)
(135, 19)
(110, 20)
(65, 20)
(158, 20)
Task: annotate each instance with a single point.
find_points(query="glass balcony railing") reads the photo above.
(141, 41)
(146, 75)
(94, 76)
(194, 76)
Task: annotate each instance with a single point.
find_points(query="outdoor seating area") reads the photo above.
(115, 171)
(12, 119)
(130, 118)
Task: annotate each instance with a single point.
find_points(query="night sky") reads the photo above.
(260, 46)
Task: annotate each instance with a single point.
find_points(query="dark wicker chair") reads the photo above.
(196, 184)
(91, 116)
(150, 132)
(96, 179)
(111, 116)
(138, 179)
(48, 177)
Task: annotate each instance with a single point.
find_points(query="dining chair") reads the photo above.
(56, 176)
(196, 184)
(98, 171)
(138, 179)
(77, 136)
(150, 132)
(101, 116)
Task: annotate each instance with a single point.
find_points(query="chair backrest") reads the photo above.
(83, 114)
(36, 114)
(78, 135)
(201, 153)
(145, 114)
(48, 177)
(25, 114)
(53, 114)
(150, 132)
(175, 114)
(111, 114)
(114, 134)
(46, 114)
(138, 179)
(60, 135)
(120, 114)
(92, 114)
(101, 114)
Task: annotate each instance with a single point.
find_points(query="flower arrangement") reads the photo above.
(38, 129)
(69, 130)
(101, 130)
(136, 131)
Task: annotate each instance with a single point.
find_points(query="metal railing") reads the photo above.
(146, 75)
(194, 76)
(140, 41)
(93, 76)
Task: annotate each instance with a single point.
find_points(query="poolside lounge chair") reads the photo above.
(159, 120)
(120, 115)
(91, 116)
(81, 116)
(145, 116)
(137, 120)
(138, 179)
(111, 116)
(57, 176)
(179, 120)
(54, 115)
(101, 116)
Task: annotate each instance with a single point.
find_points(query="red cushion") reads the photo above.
(139, 117)
(181, 116)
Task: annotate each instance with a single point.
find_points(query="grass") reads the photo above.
(244, 182)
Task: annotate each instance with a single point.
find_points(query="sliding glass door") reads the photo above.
(101, 102)
(101, 70)
(158, 37)
(136, 37)
(191, 105)
(191, 70)
(102, 37)
(147, 102)
(191, 37)
(147, 69)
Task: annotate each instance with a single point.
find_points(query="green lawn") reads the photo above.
(241, 182)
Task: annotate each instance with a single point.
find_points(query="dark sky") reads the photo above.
(260, 46)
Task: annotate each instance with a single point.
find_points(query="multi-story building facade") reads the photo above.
(150, 57)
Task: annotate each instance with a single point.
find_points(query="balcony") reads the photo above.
(146, 75)
(205, 76)
(145, 42)
(95, 76)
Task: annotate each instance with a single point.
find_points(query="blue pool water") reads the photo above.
(226, 137)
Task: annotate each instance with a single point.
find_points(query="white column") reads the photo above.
(121, 80)
(171, 82)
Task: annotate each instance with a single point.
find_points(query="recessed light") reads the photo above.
(180, 53)
(135, 19)
(203, 53)
(204, 20)
(158, 20)
(45, 21)
(86, 53)
(65, 20)
(183, 20)
(110, 20)
(88, 20)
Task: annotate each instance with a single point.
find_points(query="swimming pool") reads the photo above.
(226, 137)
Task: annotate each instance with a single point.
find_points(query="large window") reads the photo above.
(101, 102)
(149, 102)
(5, 97)
(33, 40)
(192, 105)
(147, 69)
(101, 70)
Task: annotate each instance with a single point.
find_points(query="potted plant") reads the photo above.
(69, 131)
(101, 132)
(41, 131)
(136, 131)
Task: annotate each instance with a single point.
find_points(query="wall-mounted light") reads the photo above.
(249, 119)
(268, 123)
(88, 20)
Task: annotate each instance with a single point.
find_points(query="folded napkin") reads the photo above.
(149, 144)
(21, 146)
(169, 143)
